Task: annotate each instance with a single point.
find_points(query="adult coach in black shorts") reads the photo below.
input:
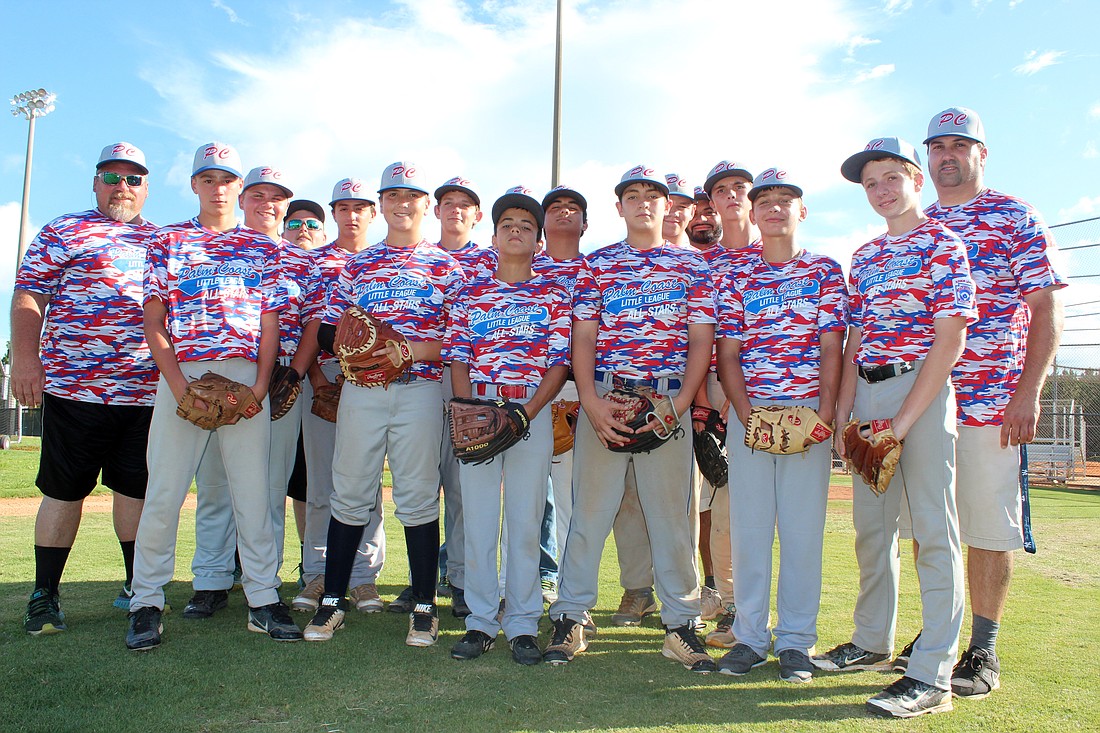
(89, 368)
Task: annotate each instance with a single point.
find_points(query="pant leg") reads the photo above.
(548, 540)
(413, 437)
(561, 476)
(284, 446)
(215, 528)
(632, 539)
(721, 563)
(481, 488)
(451, 482)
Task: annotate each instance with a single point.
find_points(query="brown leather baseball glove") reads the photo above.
(785, 430)
(212, 401)
(358, 336)
(873, 452)
(482, 429)
(635, 408)
(326, 400)
(285, 387)
(563, 415)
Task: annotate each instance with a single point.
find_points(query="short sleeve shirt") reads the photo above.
(302, 279)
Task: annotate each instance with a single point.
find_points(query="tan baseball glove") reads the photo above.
(785, 430)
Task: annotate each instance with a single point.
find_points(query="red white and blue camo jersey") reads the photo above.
(330, 259)
(721, 260)
(899, 285)
(302, 280)
(644, 301)
(215, 285)
(779, 312)
(1008, 246)
(411, 289)
(510, 333)
(467, 255)
(93, 342)
(573, 274)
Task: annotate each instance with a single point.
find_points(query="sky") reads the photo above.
(327, 89)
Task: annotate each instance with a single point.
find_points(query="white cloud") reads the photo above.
(1094, 111)
(877, 72)
(1084, 208)
(896, 7)
(1035, 62)
(1090, 150)
(230, 12)
(857, 42)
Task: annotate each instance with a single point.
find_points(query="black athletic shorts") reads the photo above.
(82, 439)
(296, 487)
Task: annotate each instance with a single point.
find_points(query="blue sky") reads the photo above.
(332, 88)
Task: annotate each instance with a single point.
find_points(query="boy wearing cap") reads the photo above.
(79, 351)
(681, 198)
(508, 338)
(212, 300)
(408, 283)
(458, 208)
(782, 315)
(353, 210)
(1000, 375)
(648, 323)
(911, 299)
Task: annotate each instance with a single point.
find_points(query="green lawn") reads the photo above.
(215, 676)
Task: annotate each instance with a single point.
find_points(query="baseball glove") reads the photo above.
(785, 430)
(326, 400)
(873, 452)
(212, 401)
(563, 415)
(635, 408)
(358, 336)
(710, 446)
(285, 387)
(482, 429)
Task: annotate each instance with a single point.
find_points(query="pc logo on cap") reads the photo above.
(124, 153)
(959, 121)
(354, 189)
(216, 157)
(403, 174)
(678, 186)
(701, 194)
(558, 192)
(642, 174)
(518, 197)
(266, 174)
(458, 183)
(880, 147)
(725, 169)
(772, 178)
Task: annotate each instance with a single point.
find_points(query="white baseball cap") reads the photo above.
(880, 147)
(678, 186)
(122, 152)
(458, 183)
(266, 174)
(642, 174)
(724, 169)
(353, 189)
(217, 156)
(402, 174)
(960, 121)
(772, 178)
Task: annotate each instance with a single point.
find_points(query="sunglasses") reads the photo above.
(296, 224)
(113, 179)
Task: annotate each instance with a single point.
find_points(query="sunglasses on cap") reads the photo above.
(296, 224)
(113, 179)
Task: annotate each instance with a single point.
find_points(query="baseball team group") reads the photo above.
(259, 361)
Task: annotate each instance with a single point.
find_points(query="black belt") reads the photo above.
(886, 371)
(661, 384)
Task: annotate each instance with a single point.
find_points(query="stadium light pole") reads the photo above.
(31, 104)
(555, 164)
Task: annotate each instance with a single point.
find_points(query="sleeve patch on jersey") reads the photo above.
(964, 293)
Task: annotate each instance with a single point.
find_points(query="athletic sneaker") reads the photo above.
(589, 624)
(685, 646)
(275, 621)
(722, 636)
(850, 658)
(901, 661)
(205, 602)
(44, 615)
(145, 629)
(366, 599)
(459, 609)
(329, 618)
(443, 588)
(423, 625)
(710, 603)
(122, 601)
(309, 597)
(525, 650)
(549, 591)
(795, 666)
(567, 641)
(634, 606)
(908, 698)
(977, 674)
(472, 645)
(739, 660)
(403, 603)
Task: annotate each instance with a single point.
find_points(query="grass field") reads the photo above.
(216, 676)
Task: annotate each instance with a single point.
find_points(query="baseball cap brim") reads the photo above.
(651, 181)
(139, 166)
(305, 205)
(753, 193)
(712, 180)
(518, 201)
(852, 168)
(562, 193)
(445, 189)
(225, 168)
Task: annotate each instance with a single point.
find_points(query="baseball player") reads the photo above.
(458, 208)
(648, 323)
(212, 301)
(681, 197)
(782, 316)
(911, 299)
(509, 338)
(1000, 376)
(89, 368)
(705, 228)
(353, 210)
(408, 283)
